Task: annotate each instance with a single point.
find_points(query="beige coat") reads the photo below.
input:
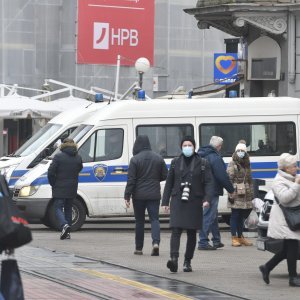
(238, 174)
(288, 193)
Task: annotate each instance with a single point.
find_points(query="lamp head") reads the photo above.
(142, 65)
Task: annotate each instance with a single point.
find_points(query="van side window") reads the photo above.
(165, 139)
(104, 144)
(263, 139)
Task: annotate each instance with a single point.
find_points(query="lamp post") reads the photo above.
(142, 65)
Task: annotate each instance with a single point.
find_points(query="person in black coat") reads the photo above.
(187, 172)
(63, 178)
(146, 170)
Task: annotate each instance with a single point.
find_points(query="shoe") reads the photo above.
(65, 231)
(265, 273)
(244, 241)
(138, 252)
(68, 236)
(187, 266)
(294, 281)
(219, 245)
(172, 264)
(155, 250)
(208, 247)
(235, 242)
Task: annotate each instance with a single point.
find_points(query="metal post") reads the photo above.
(141, 79)
(117, 77)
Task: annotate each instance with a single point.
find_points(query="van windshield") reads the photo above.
(76, 135)
(42, 136)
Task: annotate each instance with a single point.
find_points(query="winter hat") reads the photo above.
(189, 139)
(286, 160)
(68, 143)
(241, 146)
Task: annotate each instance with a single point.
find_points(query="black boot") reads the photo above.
(265, 273)
(294, 281)
(187, 266)
(172, 264)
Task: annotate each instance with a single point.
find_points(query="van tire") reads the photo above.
(78, 215)
(45, 221)
(226, 219)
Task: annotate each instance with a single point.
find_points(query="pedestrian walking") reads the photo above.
(146, 170)
(240, 202)
(189, 185)
(63, 178)
(221, 180)
(286, 188)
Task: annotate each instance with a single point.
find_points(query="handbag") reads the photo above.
(292, 215)
(11, 283)
(241, 187)
(13, 230)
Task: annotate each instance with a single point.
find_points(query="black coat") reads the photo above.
(188, 215)
(146, 170)
(63, 173)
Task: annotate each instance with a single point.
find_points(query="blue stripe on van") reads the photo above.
(259, 170)
(16, 175)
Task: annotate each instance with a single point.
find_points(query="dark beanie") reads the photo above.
(189, 139)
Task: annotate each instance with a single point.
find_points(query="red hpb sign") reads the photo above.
(107, 28)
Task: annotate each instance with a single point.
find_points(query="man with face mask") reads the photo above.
(221, 181)
(187, 191)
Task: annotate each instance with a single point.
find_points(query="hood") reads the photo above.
(69, 148)
(141, 143)
(206, 150)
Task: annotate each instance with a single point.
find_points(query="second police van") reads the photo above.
(270, 126)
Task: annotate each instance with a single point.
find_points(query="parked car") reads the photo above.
(265, 243)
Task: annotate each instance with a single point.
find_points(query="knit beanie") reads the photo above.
(241, 146)
(189, 139)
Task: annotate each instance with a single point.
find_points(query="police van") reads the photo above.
(45, 141)
(270, 126)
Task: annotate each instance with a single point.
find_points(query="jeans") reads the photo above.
(139, 207)
(289, 252)
(210, 224)
(237, 220)
(190, 243)
(63, 211)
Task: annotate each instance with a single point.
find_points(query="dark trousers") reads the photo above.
(190, 243)
(289, 252)
(63, 211)
(237, 220)
(139, 207)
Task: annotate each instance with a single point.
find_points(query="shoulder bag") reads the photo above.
(241, 187)
(292, 215)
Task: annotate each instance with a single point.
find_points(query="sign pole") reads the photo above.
(117, 78)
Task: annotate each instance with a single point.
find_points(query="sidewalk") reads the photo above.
(230, 270)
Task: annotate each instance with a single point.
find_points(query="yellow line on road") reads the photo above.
(142, 286)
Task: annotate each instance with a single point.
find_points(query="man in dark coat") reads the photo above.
(63, 178)
(146, 170)
(220, 180)
(187, 170)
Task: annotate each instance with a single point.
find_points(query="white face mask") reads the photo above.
(241, 154)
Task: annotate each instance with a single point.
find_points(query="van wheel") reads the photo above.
(78, 215)
(226, 219)
(45, 221)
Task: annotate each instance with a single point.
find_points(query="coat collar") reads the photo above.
(286, 175)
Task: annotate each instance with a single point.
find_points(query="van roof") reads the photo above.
(77, 114)
(124, 109)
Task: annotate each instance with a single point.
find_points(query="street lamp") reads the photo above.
(142, 65)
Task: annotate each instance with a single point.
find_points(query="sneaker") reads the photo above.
(208, 247)
(68, 236)
(64, 233)
(219, 245)
(155, 250)
(138, 252)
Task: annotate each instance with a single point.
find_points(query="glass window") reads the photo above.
(38, 139)
(165, 139)
(104, 144)
(262, 139)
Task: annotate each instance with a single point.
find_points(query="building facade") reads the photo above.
(270, 31)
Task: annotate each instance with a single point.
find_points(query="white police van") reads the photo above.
(45, 141)
(270, 126)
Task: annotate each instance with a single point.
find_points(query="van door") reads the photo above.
(103, 178)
